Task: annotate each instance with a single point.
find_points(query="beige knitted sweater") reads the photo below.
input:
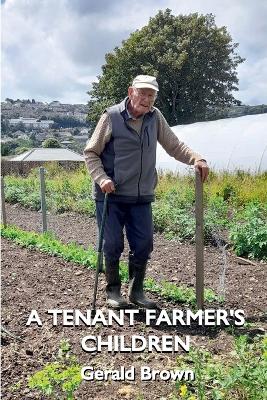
(102, 134)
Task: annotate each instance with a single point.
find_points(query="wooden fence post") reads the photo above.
(3, 203)
(43, 202)
(199, 242)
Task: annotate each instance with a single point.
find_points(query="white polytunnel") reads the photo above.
(228, 144)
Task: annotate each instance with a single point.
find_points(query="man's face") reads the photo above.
(141, 100)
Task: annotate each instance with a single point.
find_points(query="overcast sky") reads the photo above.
(54, 49)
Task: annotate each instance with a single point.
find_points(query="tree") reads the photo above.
(51, 143)
(33, 139)
(5, 126)
(20, 127)
(194, 61)
(76, 132)
(67, 121)
(55, 125)
(8, 100)
(6, 149)
(20, 150)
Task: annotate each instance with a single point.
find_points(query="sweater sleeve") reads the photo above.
(95, 147)
(172, 145)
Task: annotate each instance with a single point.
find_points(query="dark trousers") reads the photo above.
(137, 220)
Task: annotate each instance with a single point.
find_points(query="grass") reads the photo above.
(65, 190)
(233, 203)
(240, 376)
(72, 252)
(237, 188)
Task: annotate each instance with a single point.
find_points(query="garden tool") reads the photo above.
(99, 264)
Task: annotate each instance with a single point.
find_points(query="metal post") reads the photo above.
(3, 203)
(43, 202)
(199, 242)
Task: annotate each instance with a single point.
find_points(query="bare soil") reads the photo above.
(34, 280)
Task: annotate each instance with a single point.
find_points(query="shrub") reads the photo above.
(242, 376)
(249, 236)
(51, 143)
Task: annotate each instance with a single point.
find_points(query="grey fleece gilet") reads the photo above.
(129, 159)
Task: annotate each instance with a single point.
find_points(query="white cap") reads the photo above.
(145, 81)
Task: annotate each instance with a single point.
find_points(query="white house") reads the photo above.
(32, 122)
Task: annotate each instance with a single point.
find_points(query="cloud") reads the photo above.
(39, 55)
(253, 82)
(91, 7)
(55, 49)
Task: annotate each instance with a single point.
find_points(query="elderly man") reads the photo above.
(121, 158)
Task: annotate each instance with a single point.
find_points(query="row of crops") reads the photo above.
(235, 204)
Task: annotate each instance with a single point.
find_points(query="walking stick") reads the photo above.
(99, 264)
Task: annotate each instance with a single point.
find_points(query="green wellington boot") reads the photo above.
(113, 288)
(136, 285)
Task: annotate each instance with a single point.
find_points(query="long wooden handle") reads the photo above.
(199, 242)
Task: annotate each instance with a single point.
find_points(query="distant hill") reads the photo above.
(235, 111)
(36, 109)
(57, 111)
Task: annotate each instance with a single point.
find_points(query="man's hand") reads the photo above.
(203, 168)
(107, 186)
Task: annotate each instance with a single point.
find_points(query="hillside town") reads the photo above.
(28, 124)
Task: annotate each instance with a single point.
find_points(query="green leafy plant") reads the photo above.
(234, 203)
(58, 379)
(249, 236)
(242, 376)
